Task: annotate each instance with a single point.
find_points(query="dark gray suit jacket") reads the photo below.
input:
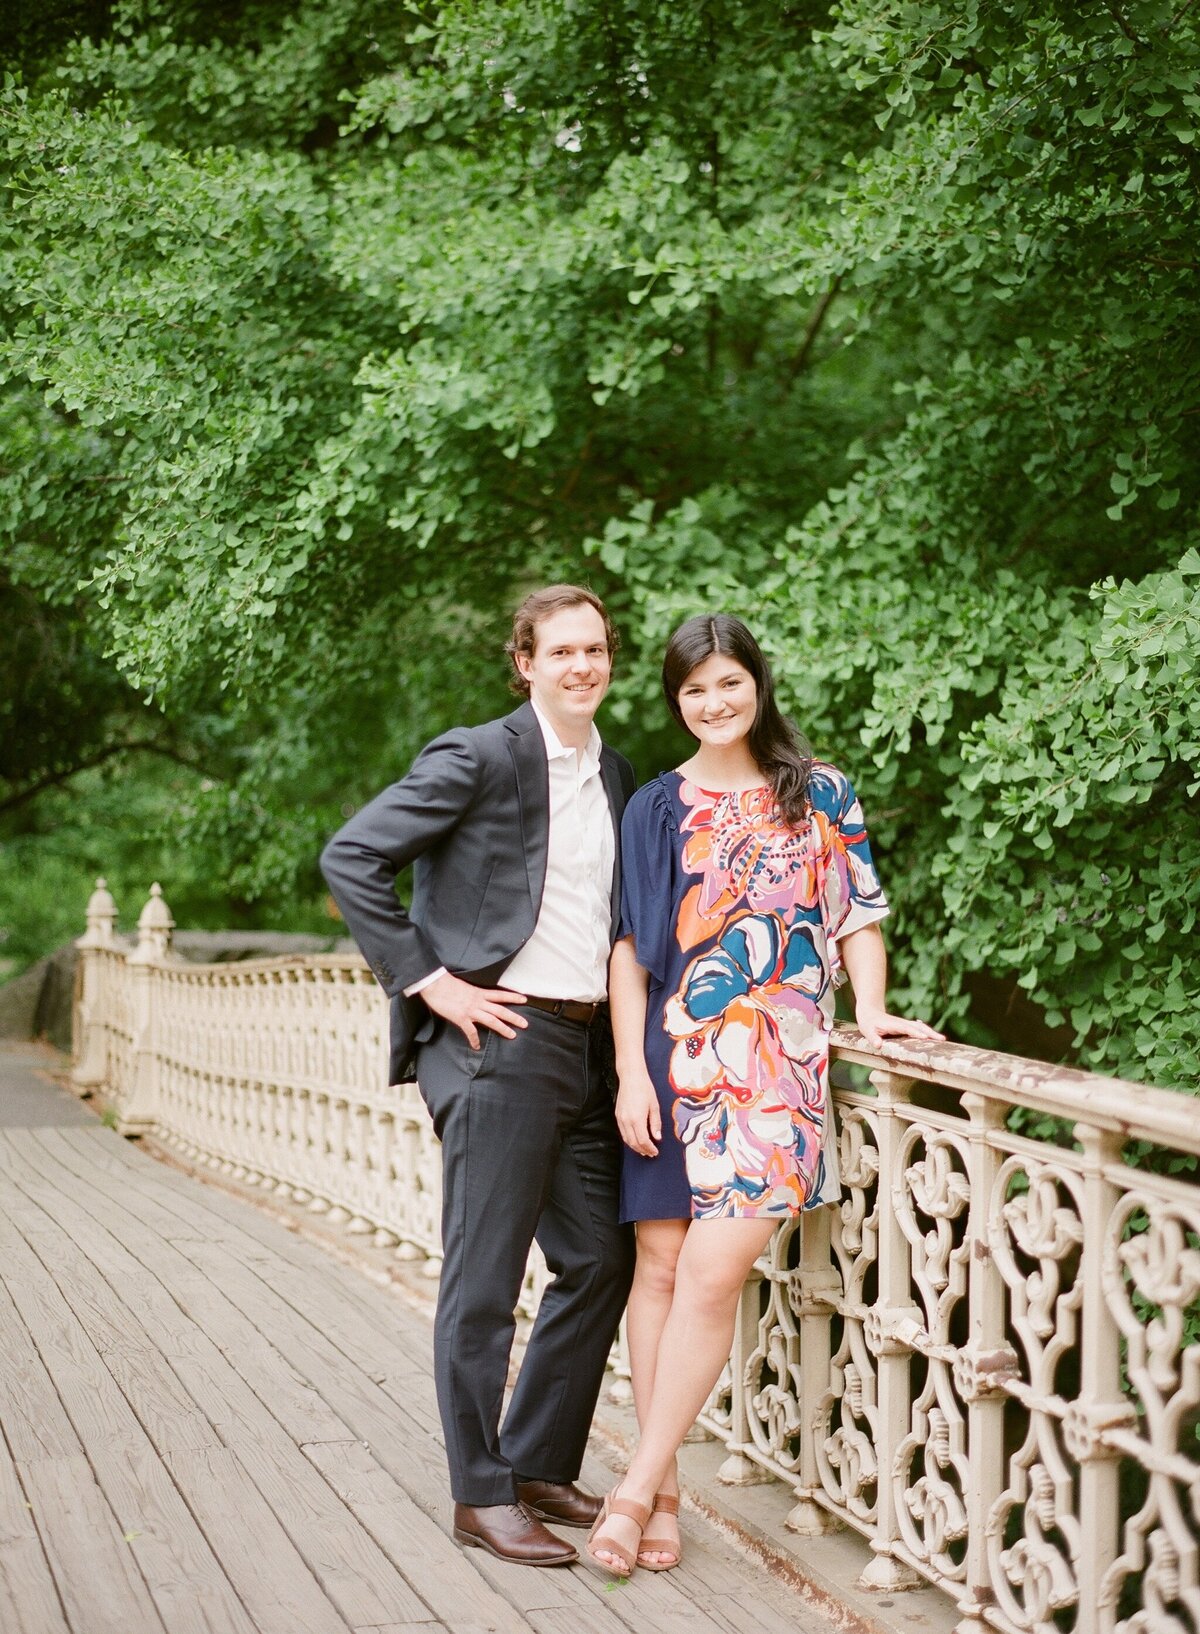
(473, 817)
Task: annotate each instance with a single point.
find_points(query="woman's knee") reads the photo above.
(658, 1246)
(710, 1286)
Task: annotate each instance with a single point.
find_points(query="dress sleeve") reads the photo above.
(647, 877)
(851, 893)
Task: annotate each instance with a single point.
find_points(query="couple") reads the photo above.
(733, 888)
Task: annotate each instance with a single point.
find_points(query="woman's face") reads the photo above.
(718, 701)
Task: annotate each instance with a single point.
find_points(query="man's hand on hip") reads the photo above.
(470, 1008)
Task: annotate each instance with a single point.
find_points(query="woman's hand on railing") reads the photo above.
(875, 1025)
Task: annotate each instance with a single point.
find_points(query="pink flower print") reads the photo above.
(747, 1014)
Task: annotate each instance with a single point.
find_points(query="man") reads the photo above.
(498, 977)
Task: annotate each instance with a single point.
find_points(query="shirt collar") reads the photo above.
(589, 760)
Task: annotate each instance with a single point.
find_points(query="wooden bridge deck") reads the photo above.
(210, 1426)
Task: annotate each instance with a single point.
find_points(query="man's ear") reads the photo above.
(521, 660)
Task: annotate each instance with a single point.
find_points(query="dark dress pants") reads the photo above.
(529, 1150)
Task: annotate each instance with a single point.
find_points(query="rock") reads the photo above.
(19, 1001)
(53, 1019)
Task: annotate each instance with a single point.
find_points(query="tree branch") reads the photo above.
(56, 779)
(801, 358)
(1122, 22)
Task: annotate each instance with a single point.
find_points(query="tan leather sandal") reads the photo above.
(598, 1538)
(664, 1504)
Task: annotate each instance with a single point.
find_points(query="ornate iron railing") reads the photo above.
(985, 1359)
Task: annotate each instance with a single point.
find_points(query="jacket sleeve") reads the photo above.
(361, 861)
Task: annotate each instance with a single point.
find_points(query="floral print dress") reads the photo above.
(736, 918)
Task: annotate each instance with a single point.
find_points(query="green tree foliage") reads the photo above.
(329, 326)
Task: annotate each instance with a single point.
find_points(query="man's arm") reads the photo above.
(360, 865)
(361, 861)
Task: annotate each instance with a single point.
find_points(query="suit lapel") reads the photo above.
(527, 747)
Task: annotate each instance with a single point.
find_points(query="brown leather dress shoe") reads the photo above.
(509, 1532)
(559, 1502)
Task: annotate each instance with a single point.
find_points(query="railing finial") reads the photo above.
(101, 918)
(155, 925)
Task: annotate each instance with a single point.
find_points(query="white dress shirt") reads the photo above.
(567, 955)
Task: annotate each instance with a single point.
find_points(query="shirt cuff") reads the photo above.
(417, 987)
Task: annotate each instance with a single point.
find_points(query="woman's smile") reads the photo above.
(719, 700)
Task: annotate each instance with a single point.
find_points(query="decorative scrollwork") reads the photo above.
(1151, 1277)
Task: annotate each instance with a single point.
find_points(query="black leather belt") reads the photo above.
(569, 1009)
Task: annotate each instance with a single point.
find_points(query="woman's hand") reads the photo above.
(875, 1024)
(638, 1117)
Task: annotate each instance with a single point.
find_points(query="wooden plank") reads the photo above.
(270, 1574)
(370, 1323)
(277, 1382)
(144, 1378)
(34, 1420)
(389, 1359)
(769, 1607)
(381, 1309)
(171, 1552)
(184, 1328)
(188, 1584)
(358, 1347)
(184, 1204)
(439, 1570)
(374, 1418)
(95, 1408)
(190, 1197)
(29, 1601)
(362, 1403)
(272, 1577)
(356, 1576)
(402, 1628)
(94, 1567)
(419, 1541)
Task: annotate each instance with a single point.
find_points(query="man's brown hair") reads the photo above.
(541, 605)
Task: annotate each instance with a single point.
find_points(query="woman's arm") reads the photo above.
(865, 959)
(638, 1117)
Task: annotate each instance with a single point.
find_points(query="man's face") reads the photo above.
(569, 670)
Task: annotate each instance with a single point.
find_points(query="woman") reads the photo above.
(748, 883)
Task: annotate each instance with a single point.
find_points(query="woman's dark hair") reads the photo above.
(782, 755)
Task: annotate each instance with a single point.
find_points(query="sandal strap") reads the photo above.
(666, 1504)
(603, 1540)
(630, 1508)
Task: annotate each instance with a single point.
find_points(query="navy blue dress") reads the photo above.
(735, 917)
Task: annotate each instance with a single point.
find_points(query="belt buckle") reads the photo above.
(559, 1006)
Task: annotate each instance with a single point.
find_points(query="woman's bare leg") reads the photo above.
(658, 1246)
(713, 1265)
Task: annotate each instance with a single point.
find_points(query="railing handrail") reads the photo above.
(1118, 1105)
